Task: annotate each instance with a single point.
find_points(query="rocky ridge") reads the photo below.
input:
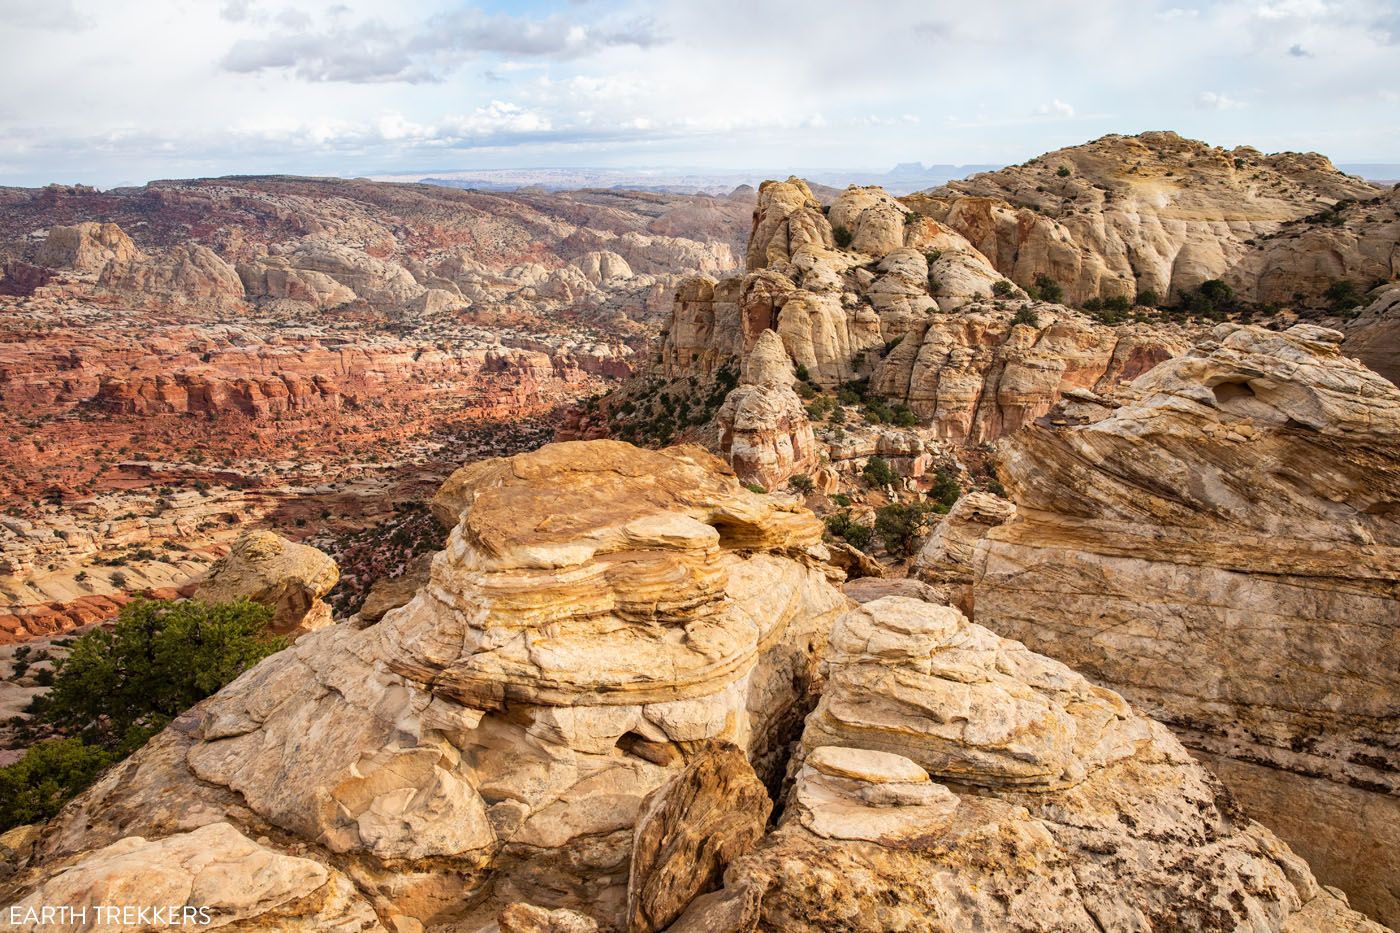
(1218, 541)
(1125, 215)
(571, 725)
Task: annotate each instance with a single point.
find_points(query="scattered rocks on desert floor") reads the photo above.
(1219, 541)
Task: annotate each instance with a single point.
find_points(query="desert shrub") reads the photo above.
(801, 482)
(1062, 171)
(945, 490)
(1002, 289)
(842, 235)
(1026, 315)
(50, 774)
(1047, 289)
(159, 659)
(755, 487)
(901, 527)
(841, 525)
(120, 686)
(1343, 295)
(1148, 299)
(877, 473)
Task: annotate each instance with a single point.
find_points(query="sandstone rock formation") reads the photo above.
(972, 367)
(86, 247)
(1374, 336)
(600, 613)
(764, 431)
(290, 579)
(978, 375)
(1219, 540)
(953, 780)
(1124, 215)
(946, 556)
(689, 830)
(187, 274)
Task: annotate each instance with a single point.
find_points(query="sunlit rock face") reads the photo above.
(951, 779)
(1220, 541)
(600, 613)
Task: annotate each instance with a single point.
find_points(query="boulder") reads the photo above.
(290, 579)
(689, 829)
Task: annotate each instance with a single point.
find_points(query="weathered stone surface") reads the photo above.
(946, 555)
(86, 247)
(1219, 540)
(600, 612)
(1157, 212)
(527, 918)
(1128, 833)
(242, 884)
(689, 829)
(764, 431)
(288, 578)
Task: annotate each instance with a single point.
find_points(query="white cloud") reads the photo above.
(1056, 108)
(220, 86)
(1210, 100)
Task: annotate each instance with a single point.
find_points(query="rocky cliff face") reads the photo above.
(1124, 215)
(1374, 336)
(599, 612)
(953, 780)
(571, 724)
(1219, 541)
(908, 305)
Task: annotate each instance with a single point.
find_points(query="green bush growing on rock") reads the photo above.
(120, 686)
(877, 473)
(842, 235)
(50, 774)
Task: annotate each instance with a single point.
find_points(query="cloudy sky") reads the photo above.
(108, 92)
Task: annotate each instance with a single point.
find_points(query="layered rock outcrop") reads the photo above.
(86, 247)
(600, 614)
(980, 374)
(954, 780)
(290, 579)
(1219, 541)
(908, 305)
(1124, 215)
(764, 431)
(947, 554)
